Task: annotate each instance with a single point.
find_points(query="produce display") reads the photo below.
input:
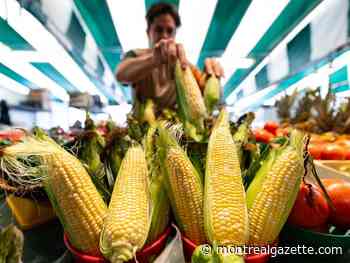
(11, 244)
(328, 124)
(117, 189)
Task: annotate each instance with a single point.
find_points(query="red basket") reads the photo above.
(189, 248)
(142, 256)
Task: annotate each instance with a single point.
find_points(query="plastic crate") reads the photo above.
(29, 212)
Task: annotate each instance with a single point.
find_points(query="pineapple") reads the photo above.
(284, 106)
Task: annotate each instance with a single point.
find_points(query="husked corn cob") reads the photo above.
(184, 187)
(73, 195)
(189, 97)
(77, 202)
(272, 193)
(225, 211)
(127, 224)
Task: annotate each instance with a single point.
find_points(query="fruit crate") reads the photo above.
(333, 169)
(29, 212)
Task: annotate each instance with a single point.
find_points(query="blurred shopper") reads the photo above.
(4, 113)
(151, 71)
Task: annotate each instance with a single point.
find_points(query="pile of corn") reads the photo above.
(210, 204)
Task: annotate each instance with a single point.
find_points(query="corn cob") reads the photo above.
(190, 100)
(91, 147)
(160, 202)
(79, 205)
(272, 193)
(184, 187)
(74, 197)
(149, 112)
(211, 93)
(225, 211)
(127, 224)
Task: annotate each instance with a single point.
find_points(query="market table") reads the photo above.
(44, 244)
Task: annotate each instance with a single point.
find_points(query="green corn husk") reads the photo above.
(11, 244)
(160, 203)
(183, 185)
(117, 144)
(241, 136)
(144, 112)
(149, 115)
(274, 189)
(191, 105)
(110, 124)
(212, 93)
(91, 145)
(197, 153)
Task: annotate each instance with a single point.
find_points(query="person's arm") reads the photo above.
(133, 69)
(165, 51)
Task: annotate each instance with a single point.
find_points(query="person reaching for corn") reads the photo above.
(151, 71)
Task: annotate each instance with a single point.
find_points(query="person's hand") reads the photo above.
(167, 51)
(213, 67)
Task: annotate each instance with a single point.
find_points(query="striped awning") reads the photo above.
(265, 47)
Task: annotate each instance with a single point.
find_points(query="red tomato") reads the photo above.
(347, 154)
(271, 126)
(329, 181)
(333, 151)
(310, 209)
(12, 135)
(339, 192)
(316, 149)
(343, 142)
(262, 135)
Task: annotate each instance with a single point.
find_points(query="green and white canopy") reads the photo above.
(264, 46)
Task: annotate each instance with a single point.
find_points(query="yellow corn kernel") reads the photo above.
(271, 203)
(190, 95)
(127, 224)
(184, 188)
(272, 193)
(225, 211)
(76, 200)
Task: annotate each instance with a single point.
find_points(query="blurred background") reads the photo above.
(58, 57)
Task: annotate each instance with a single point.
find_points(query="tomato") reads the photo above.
(310, 209)
(271, 126)
(315, 138)
(12, 135)
(333, 151)
(343, 142)
(316, 149)
(262, 135)
(339, 192)
(329, 181)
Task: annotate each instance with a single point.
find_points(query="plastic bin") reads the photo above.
(143, 256)
(29, 212)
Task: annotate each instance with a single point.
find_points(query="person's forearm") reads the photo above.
(132, 70)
